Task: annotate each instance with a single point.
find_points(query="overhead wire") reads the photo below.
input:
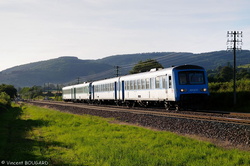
(172, 57)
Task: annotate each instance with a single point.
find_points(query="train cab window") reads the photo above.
(191, 77)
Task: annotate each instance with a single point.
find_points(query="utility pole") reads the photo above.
(78, 80)
(117, 70)
(234, 43)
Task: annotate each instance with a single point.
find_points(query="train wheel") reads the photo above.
(167, 106)
(177, 108)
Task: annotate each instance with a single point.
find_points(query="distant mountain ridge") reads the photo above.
(67, 69)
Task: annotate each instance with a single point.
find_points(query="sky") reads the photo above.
(36, 30)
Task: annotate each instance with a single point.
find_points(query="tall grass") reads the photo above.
(66, 139)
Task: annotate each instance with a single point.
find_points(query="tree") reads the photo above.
(9, 90)
(226, 74)
(4, 99)
(30, 93)
(144, 66)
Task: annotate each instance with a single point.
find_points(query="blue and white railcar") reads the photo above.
(191, 84)
(175, 86)
(152, 86)
(148, 86)
(105, 90)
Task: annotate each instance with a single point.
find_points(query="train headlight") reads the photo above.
(204, 89)
(183, 90)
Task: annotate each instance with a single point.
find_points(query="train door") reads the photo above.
(170, 89)
(93, 92)
(115, 90)
(123, 91)
(89, 89)
(73, 93)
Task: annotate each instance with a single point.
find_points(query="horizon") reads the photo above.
(113, 55)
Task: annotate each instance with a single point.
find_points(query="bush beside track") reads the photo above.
(221, 96)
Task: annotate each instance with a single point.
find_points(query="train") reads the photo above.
(177, 87)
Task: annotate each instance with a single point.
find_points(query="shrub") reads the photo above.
(5, 99)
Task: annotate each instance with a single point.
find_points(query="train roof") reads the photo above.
(188, 67)
(163, 71)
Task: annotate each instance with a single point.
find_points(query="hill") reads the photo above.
(59, 70)
(63, 70)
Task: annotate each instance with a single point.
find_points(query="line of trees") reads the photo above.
(225, 74)
(39, 92)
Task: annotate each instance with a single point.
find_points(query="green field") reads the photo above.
(39, 134)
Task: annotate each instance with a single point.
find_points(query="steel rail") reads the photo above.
(154, 113)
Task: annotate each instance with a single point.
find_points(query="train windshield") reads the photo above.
(191, 77)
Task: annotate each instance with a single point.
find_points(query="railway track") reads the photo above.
(234, 129)
(225, 117)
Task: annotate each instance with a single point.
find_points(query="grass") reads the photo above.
(33, 133)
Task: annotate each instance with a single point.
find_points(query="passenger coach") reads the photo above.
(77, 93)
(177, 87)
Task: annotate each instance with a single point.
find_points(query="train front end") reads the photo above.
(191, 86)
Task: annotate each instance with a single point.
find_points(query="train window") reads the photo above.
(151, 83)
(147, 83)
(135, 84)
(66, 91)
(191, 77)
(143, 84)
(164, 82)
(157, 82)
(182, 78)
(139, 84)
(131, 85)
